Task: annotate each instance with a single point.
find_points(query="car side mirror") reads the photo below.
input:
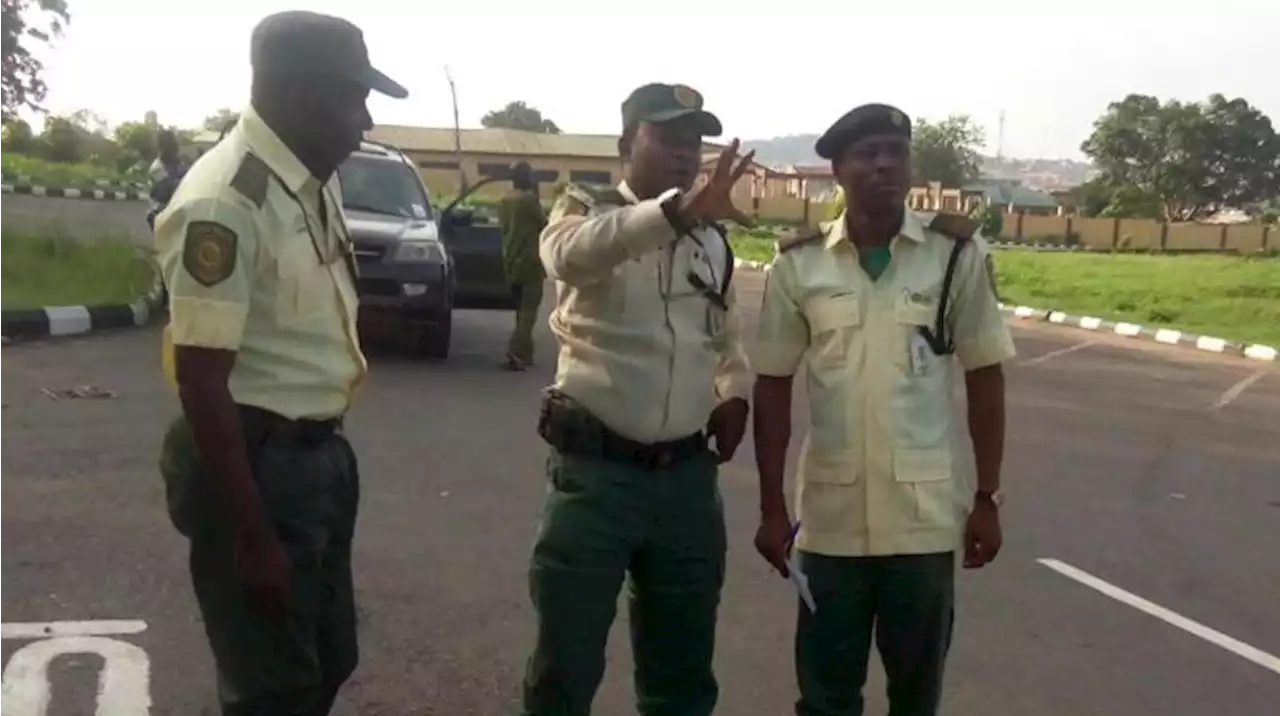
(460, 217)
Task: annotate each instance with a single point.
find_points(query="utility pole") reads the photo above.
(1000, 139)
(457, 134)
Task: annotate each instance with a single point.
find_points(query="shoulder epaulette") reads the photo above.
(957, 226)
(796, 239)
(251, 179)
(596, 195)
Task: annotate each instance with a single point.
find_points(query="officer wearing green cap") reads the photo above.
(521, 218)
(649, 397)
(876, 306)
(262, 350)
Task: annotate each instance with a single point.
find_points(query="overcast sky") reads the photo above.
(766, 72)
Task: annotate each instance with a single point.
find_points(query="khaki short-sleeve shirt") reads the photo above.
(877, 473)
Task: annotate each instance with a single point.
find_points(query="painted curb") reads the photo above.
(108, 194)
(76, 320)
(1167, 336)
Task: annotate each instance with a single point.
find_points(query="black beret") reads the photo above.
(860, 123)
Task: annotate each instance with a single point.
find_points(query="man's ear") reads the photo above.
(624, 146)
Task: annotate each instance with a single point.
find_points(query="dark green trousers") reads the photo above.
(266, 667)
(528, 296)
(601, 522)
(907, 600)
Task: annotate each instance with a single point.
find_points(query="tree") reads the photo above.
(18, 137)
(1184, 161)
(216, 121)
(23, 86)
(518, 115)
(946, 151)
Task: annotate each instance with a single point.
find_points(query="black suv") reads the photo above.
(410, 275)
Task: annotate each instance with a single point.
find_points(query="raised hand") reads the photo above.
(711, 199)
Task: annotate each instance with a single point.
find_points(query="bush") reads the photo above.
(55, 270)
(42, 172)
(991, 220)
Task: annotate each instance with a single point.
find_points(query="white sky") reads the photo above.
(785, 68)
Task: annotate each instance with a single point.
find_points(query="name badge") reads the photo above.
(918, 352)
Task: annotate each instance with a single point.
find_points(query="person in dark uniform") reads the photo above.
(521, 219)
(261, 348)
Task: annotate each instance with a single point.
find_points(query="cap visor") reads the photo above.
(708, 124)
(378, 82)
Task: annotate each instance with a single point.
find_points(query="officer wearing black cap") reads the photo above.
(651, 374)
(261, 348)
(875, 306)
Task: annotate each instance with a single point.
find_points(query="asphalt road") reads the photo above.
(1145, 466)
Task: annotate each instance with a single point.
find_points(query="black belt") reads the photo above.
(571, 429)
(261, 424)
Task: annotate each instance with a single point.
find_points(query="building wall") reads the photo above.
(440, 171)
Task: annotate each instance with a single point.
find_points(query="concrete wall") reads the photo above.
(79, 218)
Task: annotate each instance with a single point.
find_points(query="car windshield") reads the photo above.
(382, 186)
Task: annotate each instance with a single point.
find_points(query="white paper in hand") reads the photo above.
(801, 581)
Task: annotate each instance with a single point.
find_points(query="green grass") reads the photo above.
(1232, 297)
(754, 244)
(43, 270)
(56, 174)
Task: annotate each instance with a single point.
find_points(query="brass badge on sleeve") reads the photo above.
(209, 252)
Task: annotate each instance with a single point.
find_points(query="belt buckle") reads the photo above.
(663, 459)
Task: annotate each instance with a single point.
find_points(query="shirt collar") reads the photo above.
(625, 190)
(837, 230)
(267, 146)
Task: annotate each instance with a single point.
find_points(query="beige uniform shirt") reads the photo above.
(251, 267)
(877, 475)
(640, 347)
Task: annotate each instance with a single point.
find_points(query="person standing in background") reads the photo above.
(521, 220)
(165, 173)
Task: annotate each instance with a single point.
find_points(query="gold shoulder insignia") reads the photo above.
(209, 252)
(796, 239)
(957, 226)
(251, 179)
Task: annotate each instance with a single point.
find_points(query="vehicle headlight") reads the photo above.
(419, 251)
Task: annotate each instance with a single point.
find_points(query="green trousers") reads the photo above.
(528, 295)
(908, 600)
(665, 529)
(269, 667)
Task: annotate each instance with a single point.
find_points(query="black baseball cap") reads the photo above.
(308, 44)
(657, 103)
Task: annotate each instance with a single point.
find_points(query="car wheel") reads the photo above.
(434, 341)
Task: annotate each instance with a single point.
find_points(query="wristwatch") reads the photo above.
(993, 497)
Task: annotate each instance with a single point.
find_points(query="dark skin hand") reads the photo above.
(260, 560)
(771, 431)
(728, 425)
(983, 536)
(667, 155)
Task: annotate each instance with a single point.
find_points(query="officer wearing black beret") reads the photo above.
(876, 306)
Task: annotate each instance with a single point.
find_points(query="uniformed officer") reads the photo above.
(262, 348)
(873, 306)
(521, 219)
(650, 368)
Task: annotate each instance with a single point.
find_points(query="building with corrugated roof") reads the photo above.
(555, 158)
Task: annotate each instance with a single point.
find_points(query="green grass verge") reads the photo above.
(1226, 296)
(1232, 297)
(57, 174)
(40, 270)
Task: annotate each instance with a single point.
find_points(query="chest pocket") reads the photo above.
(305, 289)
(833, 320)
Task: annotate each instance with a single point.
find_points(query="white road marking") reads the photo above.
(1217, 638)
(1059, 352)
(44, 630)
(124, 682)
(1235, 391)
